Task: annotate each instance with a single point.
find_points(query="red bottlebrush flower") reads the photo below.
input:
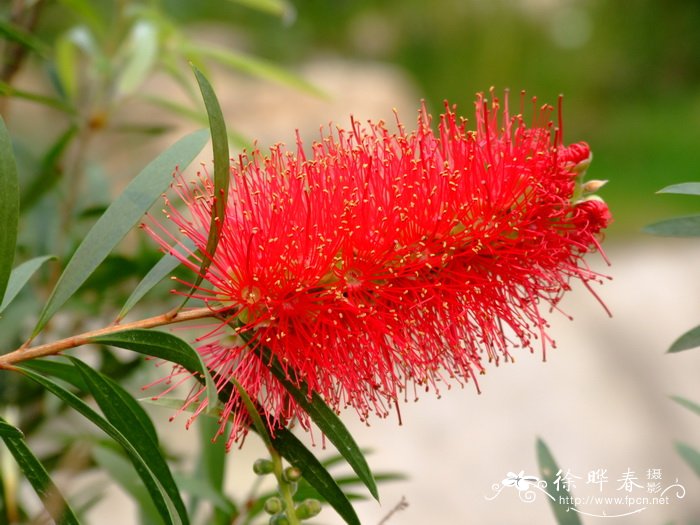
(380, 262)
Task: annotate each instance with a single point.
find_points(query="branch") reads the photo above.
(25, 353)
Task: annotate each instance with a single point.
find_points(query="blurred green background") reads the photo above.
(629, 71)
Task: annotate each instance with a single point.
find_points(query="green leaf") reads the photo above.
(59, 369)
(19, 278)
(20, 35)
(252, 66)
(200, 488)
(207, 481)
(690, 339)
(694, 407)
(222, 167)
(10, 431)
(327, 421)
(687, 226)
(314, 473)
(121, 216)
(85, 9)
(8, 91)
(139, 53)
(49, 171)
(563, 513)
(690, 455)
(127, 416)
(164, 346)
(9, 206)
(54, 502)
(686, 188)
(142, 465)
(273, 7)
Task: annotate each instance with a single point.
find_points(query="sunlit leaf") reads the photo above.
(19, 278)
(690, 455)
(139, 55)
(688, 226)
(54, 502)
(9, 206)
(121, 216)
(565, 514)
(694, 407)
(327, 421)
(690, 339)
(686, 188)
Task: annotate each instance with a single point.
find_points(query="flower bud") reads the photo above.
(593, 185)
(308, 509)
(262, 466)
(273, 505)
(291, 474)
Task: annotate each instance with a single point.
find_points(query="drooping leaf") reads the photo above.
(164, 346)
(687, 226)
(690, 455)
(19, 278)
(127, 416)
(690, 339)
(694, 407)
(159, 495)
(222, 165)
(54, 502)
(686, 188)
(314, 473)
(121, 216)
(9, 206)
(202, 490)
(563, 513)
(59, 369)
(327, 421)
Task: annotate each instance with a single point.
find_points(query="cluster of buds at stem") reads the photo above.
(282, 508)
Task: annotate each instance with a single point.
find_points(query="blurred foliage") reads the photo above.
(629, 70)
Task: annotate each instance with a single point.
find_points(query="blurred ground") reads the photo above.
(600, 401)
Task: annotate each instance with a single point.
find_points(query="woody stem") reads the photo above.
(25, 353)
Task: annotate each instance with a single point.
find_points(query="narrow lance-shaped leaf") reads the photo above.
(274, 7)
(54, 502)
(688, 226)
(688, 340)
(142, 465)
(219, 141)
(687, 403)
(327, 421)
(690, 455)
(164, 346)
(9, 206)
(121, 216)
(160, 271)
(20, 276)
(124, 412)
(685, 188)
(558, 493)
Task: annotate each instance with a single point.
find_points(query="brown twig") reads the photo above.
(401, 505)
(7, 361)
